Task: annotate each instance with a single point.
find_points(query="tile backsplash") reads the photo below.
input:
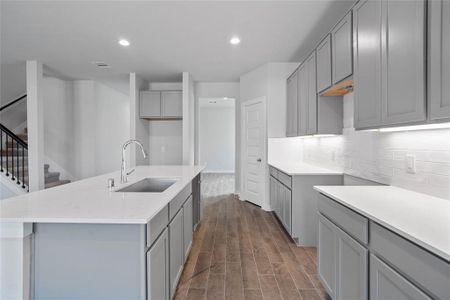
(382, 156)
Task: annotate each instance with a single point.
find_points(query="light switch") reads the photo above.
(411, 163)
(163, 149)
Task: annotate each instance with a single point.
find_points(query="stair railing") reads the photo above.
(13, 151)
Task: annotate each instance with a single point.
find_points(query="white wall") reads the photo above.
(188, 135)
(217, 137)
(12, 86)
(86, 123)
(139, 129)
(380, 156)
(165, 142)
(284, 149)
(59, 122)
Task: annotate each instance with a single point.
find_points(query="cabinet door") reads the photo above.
(439, 59)
(352, 268)
(302, 100)
(341, 38)
(403, 62)
(386, 284)
(158, 269)
(172, 104)
(291, 106)
(324, 64)
(150, 104)
(312, 94)
(287, 209)
(176, 250)
(187, 226)
(326, 255)
(272, 193)
(367, 60)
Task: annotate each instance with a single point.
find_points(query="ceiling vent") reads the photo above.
(101, 64)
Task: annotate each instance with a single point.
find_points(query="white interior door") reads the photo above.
(253, 150)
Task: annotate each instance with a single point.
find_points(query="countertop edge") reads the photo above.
(327, 172)
(441, 254)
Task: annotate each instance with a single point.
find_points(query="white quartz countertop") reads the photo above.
(300, 168)
(90, 201)
(422, 219)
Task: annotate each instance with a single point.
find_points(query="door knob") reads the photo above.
(259, 160)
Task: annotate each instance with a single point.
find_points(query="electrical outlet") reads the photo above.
(163, 149)
(333, 156)
(411, 163)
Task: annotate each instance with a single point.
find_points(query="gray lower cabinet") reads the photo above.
(324, 64)
(291, 105)
(176, 258)
(326, 255)
(387, 284)
(351, 268)
(439, 59)
(281, 199)
(342, 263)
(158, 269)
(399, 269)
(187, 226)
(389, 71)
(341, 38)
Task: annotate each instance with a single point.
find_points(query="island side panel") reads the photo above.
(89, 261)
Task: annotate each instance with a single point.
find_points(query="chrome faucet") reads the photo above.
(123, 169)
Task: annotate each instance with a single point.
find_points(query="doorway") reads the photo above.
(216, 145)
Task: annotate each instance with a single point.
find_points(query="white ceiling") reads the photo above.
(166, 37)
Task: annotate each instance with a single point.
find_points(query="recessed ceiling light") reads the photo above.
(235, 40)
(124, 43)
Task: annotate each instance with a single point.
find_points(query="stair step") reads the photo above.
(56, 183)
(14, 151)
(51, 177)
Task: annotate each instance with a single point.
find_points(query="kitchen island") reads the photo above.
(84, 241)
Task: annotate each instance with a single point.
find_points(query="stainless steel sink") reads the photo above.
(149, 185)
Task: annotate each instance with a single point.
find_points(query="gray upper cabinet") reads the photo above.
(161, 105)
(291, 105)
(158, 269)
(342, 59)
(312, 94)
(176, 260)
(439, 59)
(187, 226)
(385, 283)
(150, 104)
(302, 100)
(389, 75)
(367, 60)
(403, 62)
(172, 104)
(324, 64)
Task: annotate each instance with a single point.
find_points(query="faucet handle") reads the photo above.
(128, 173)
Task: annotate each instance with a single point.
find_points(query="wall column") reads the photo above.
(35, 125)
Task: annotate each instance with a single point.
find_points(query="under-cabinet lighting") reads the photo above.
(416, 127)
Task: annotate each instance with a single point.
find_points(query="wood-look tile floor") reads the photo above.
(240, 252)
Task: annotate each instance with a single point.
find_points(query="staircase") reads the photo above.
(14, 159)
(13, 155)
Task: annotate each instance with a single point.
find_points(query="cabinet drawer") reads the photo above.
(177, 202)
(421, 267)
(350, 221)
(157, 225)
(285, 179)
(273, 172)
